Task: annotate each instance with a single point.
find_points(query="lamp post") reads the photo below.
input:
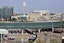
(52, 32)
(1, 38)
(22, 40)
(52, 29)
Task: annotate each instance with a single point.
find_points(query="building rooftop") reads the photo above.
(41, 11)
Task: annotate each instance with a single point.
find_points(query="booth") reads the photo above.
(3, 31)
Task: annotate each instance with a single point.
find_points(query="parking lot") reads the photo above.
(41, 38)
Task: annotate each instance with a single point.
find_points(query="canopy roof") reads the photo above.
(3, 31)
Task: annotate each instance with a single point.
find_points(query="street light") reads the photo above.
(52, 30)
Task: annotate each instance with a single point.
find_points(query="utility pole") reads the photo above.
(52, 32)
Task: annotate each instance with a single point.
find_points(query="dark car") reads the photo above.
(33, 37)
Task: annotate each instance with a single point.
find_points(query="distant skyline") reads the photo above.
(52, 5)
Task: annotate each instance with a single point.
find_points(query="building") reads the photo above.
(42, 11)
(44, 16)
(7, 12)
(33, 16)
(1, 13)
(55, 17)
(38, 15)
(19, 17)
(62, 17)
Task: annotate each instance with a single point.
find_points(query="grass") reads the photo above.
(54, 41)
(30, 41)
(39, 41)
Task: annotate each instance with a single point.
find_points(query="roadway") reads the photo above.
(30, 25)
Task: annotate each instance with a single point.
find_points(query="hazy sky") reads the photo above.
(51, 5)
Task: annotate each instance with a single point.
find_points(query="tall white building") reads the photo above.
(24, 7)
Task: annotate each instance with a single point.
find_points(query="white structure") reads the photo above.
(33, 16)
(38, 15)
(24, 8)
(55, 17)
(19, 17)
(63, 17)
(44, 14)
(3, 31)
(42, 11)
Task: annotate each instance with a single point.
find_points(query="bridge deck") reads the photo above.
(31, 25)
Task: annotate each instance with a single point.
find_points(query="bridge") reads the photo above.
(30, 25)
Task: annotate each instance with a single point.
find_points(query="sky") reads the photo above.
(54, 6)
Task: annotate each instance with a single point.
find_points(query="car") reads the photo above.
(33, 37)
(11, 38)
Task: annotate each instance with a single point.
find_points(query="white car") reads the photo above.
(11, 37)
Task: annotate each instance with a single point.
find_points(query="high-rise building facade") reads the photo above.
(1, 13)
(7, 12)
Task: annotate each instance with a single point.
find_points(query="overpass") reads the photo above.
(30, 25)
